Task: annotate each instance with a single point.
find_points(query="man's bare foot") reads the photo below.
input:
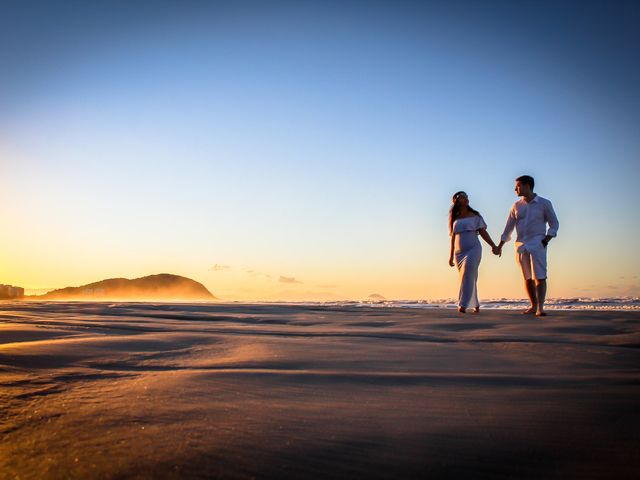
(529, 311)
(541, 314)
(476, 310)
(462, 310)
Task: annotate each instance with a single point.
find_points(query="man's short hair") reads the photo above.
(527, 180)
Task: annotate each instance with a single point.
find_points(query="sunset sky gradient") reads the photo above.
(309, 150)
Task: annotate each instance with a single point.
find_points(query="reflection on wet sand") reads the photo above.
(97, 390)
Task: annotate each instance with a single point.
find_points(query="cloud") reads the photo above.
(255, 273)
(288, 280)
(219, 268)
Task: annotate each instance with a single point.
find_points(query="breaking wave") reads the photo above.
(575, 303)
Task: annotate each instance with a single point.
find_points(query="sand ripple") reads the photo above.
(134, 390)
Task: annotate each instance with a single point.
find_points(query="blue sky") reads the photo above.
(318, 141)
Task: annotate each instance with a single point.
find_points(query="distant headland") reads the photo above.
(161, 287)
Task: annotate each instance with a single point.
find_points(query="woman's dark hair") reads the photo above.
(454, 211)
(527, 180)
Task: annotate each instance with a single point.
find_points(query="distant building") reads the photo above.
(9, 292)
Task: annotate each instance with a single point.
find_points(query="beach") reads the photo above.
(140, 390)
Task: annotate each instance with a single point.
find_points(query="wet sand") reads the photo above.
(98, 390)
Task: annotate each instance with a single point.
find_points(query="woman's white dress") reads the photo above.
(468, 253)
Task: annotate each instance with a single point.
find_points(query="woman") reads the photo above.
(465, 224)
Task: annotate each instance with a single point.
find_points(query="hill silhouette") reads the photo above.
(161, 287)
(376, 297)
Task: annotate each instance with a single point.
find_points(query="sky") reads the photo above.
(281, 150)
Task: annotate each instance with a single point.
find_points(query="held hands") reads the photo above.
(497, 250)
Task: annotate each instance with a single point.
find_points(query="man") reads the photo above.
(530, 216)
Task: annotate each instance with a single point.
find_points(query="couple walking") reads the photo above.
(529, 216)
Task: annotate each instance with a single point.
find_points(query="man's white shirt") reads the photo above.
(530, 221)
